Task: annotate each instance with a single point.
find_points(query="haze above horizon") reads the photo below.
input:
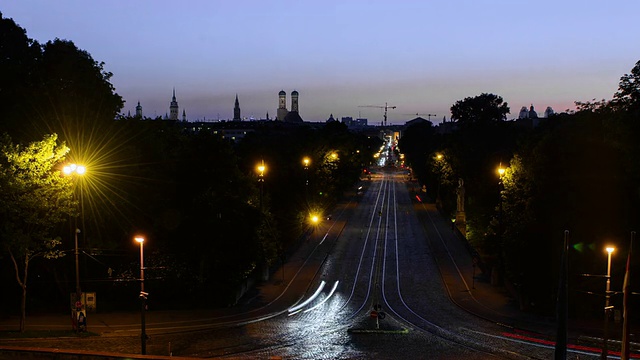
(421, 56)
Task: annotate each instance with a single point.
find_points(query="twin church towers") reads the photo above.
(282, 113)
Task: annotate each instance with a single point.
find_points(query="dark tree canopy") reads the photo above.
(483, 109)
(628, 94)
(52, 88)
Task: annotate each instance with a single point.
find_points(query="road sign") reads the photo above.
(374, 314)
(382, 315)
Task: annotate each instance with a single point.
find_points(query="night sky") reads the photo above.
(421, 56)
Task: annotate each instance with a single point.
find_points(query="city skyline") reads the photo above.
(419, 56)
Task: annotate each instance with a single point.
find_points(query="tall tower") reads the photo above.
(173, 108)
(236, 110)
(184, 115)
(282, 106)
(294, 101)
(139, 110)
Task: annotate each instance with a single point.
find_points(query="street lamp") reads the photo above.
(261, 169)
(306, 161)
(501, 172)
(69, 170)
(143, 298)
(607, 307)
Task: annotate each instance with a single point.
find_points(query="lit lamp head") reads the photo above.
(73, 168)
(261, 169)
(306, 161)
(610, 249)
(501, 171)
(314, 219)
(439, 156)
(139, 239)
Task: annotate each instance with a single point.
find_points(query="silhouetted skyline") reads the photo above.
(421, 56)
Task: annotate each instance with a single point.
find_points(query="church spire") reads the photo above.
(236, 110)
(173, 108)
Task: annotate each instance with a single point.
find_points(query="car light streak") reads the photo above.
(324, 238)
(300, 306)
(586, 350)
(335, 286)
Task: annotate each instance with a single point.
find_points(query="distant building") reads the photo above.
(139, 110)
(347, 120)
(548, 112)
(531, 113)
(361, 122)
(524, 113)
(283, 114)
(236, 110)
(282, 106)
(173, 108)
(331, 119)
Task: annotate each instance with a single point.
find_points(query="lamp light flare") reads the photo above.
(139, 239)
(73, 168)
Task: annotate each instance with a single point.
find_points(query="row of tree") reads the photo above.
(576, 171)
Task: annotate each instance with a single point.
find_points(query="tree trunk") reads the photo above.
(23, 284)
(23, 308)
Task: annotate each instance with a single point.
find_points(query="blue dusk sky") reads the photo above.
(420, 55)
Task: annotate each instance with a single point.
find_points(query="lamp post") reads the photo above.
(306, 161)
(261, 169)
(607, 307)
(501, 172)
(143, 298)
(69, 170)
(439, 158)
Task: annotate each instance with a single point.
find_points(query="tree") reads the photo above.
(417, 143)
(34, 198)
(18, 56)
(53, 88)
(483, 109)
(628, 95)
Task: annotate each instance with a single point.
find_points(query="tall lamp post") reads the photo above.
(69, 170)
(261, 169)
(306, 161)
(143, 298)
(607, 306)
(501, 172)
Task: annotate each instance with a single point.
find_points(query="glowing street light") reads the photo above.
(261, 168)
(501, 171)
(143, 297)
(607, 307)
(306, 161)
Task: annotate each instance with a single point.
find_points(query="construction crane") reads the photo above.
(427, 115)
(385, 107)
